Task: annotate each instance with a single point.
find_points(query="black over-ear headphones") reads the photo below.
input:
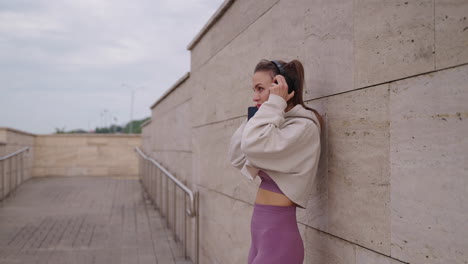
(291, 83)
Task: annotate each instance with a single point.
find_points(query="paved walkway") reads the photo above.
(83, 220)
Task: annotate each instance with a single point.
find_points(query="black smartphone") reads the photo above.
(251, 111)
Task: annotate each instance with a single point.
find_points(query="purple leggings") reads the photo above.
(275, 236)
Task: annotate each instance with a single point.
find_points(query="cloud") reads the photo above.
(56, 50)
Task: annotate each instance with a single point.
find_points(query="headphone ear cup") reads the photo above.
(289, 81)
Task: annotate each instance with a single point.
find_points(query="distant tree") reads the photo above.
(136, 126)
(108, 130)
(60, 130)
(77, 131)
(102, 130)
(125, 129)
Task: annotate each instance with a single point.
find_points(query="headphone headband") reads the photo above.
(278, 66)
(291, 83)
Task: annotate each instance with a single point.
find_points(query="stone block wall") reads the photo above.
(390, 79)
(86, 154)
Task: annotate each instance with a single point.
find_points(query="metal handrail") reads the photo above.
(148, 183)
(18, 173)
(190, 212)
(14, 153)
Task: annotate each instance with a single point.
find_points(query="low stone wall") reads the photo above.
(86, 154)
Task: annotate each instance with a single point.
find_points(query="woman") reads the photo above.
(281, 144)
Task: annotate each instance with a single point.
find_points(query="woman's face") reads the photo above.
(261, 82)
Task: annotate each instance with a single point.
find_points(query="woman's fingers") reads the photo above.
(281, 88)
(281, 81)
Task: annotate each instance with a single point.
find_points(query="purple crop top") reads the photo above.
(268, 183)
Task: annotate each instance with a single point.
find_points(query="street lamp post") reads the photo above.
(131, 112)
(133, 91)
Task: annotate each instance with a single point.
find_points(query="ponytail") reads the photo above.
(295, 70)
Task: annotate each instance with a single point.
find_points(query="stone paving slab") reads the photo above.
(79, 220)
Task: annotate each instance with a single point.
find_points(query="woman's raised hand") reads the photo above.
(281, 88)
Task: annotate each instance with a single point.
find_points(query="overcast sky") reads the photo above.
(72, 64)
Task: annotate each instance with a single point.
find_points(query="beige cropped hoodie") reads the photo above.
(285, 145)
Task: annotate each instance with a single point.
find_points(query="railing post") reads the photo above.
(167, 202)
(10, 175)
(174, 218)
(21, 168)
(16, 171)
(160, 204)
(144, 171)
(151, 181)
(197, 228)
(149, 176)
(141, 169)
(185, 226)
(163, 209)
(3, 179)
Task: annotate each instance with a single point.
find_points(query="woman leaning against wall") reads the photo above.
(280, 143)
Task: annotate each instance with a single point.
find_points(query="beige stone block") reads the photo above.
(38, 171)
(98, 171)
(180, 95)
(323, 248)
(176, 135)
(451, 33)
(316, 212)
(60, 140)
(132, 142)
(358, 169)
(53, 156)
(289, 30)
(328, 44)
(63, 156)
(224, 228)
(57, 171)
(121, 170)
(365, 256)
(179, 164)
(88, 155)
(109, 155)
(3, 135)
(112, 141)
(428, 167)
(238, 18)
(211, 166)
(202, 52)
(77, 171)
(40, 152)
(230, 75)
(97, 141)
(18, 138)
(392, 40)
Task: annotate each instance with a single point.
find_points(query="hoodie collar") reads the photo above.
(299, 111)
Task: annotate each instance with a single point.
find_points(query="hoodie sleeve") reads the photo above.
(236, 157)
(268, 145)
